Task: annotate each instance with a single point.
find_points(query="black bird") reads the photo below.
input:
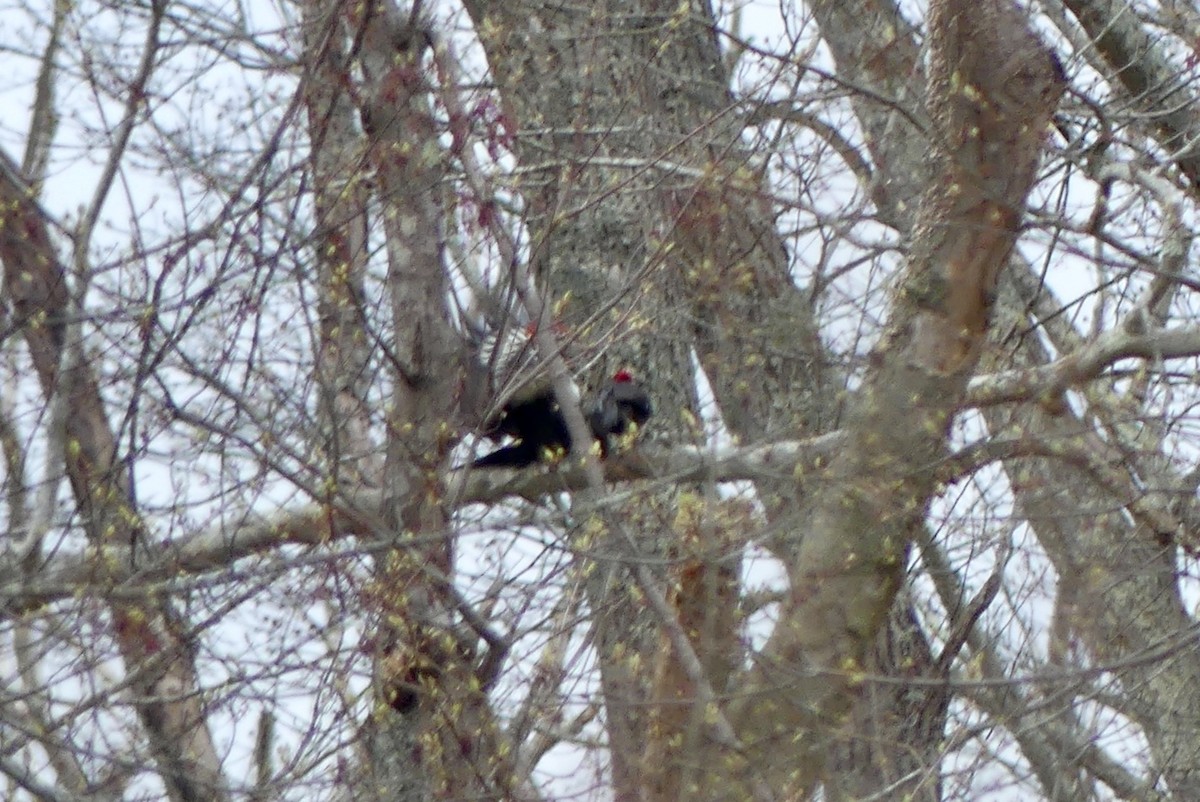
(537, 424)
(622, 402)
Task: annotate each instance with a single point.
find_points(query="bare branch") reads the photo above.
(1157, 89)
(35, 280)
(1053, 378)
(219, 548)
(133, 102)
(33, 784)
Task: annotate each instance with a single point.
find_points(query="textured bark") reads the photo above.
(992, 90)
(339, 204)
(1140, 606)
(649, 181)
(699, 204)
(877, 49)
(771, 376)
(679, 744)
(153, 639)
(1117, 588)
(894, 731)
(583, 103)
(433, 733)
(1142, 68)
(647, 204)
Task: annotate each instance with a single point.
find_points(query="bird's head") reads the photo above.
(622, 376)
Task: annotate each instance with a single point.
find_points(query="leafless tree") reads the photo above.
(911, 290)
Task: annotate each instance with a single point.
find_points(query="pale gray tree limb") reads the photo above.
(219, 547)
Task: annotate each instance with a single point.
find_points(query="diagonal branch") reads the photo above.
(1158, 90)
(992, 90)
(1083, 365)
(108, 568)
(170, 711)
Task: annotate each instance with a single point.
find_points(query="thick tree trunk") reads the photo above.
(757, 345)
(884, 60)
(340, 199)
(986, 134)
(432, 733)
(596, 231)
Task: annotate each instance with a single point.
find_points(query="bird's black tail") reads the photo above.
(517, 455)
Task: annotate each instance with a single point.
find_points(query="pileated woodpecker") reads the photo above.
(536, 422)
(622, 402)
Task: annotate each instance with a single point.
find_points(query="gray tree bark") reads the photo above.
(723, 238)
